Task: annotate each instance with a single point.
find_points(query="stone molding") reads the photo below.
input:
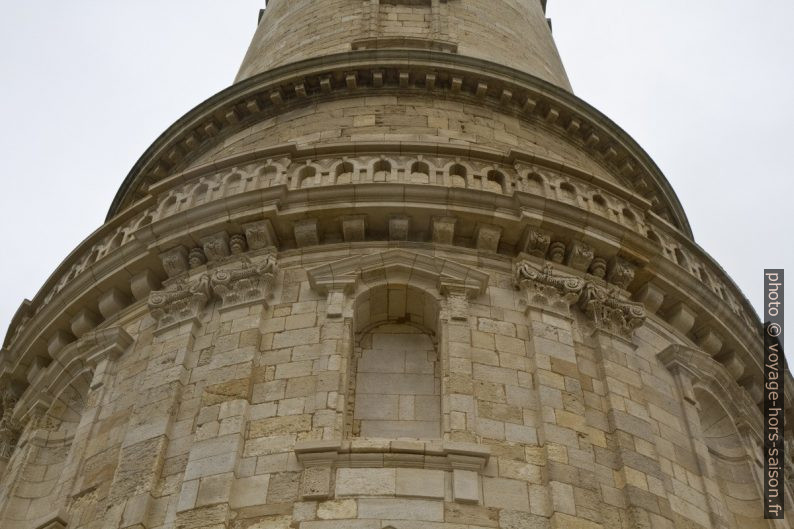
(533, 98)
(320, 459)
(457, 283)
(605, 307)
(372, 453)
(96, 352)
(703, 370)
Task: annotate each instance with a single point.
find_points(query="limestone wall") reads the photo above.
(398, 288)
(282, 406)
(509, 32)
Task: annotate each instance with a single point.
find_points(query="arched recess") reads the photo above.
(38, 484)
(729, 429)
(733, 470)
(44, 480)
(397, 307)
(395, 373)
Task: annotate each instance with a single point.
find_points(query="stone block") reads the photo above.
(250, 491)
(365, 481)
(420, 483)
(316, 483)
(465, 486)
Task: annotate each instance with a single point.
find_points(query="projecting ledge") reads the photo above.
(376, 453)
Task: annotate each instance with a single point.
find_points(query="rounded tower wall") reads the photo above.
(381, 283)
(509, 32)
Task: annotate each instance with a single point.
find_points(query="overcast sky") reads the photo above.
(705, 86)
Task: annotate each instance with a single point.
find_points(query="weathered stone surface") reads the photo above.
(391, 288)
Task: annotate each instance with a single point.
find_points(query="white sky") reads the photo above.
(705, 86)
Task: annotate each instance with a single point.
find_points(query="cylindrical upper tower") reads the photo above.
(396, 277)
(513, 33)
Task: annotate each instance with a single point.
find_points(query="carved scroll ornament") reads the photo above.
(603, 306)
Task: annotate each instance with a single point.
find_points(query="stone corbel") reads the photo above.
(106, 346)
(247, 285)
(544, 288)
(10, 428)
(179, 303)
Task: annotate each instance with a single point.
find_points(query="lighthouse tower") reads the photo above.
(397, 275)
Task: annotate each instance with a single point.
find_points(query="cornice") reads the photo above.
(513, 91)
(509, 217)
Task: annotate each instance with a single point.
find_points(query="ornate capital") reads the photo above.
(9, 427)
(245, 285)
(604, 307)
(609, 312)
(544, 288)
(179, 303)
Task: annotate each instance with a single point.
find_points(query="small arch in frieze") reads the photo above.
(534, 183)
(653, 236)
(568, 192)
(343, 172)
(599, 204)
(495, 181)
(629, 217)
(168, 206)
(457, 175)
(419, 172)
(306, 177)
(681, 258)
(198, 195)
(381, 170)
(233, 183)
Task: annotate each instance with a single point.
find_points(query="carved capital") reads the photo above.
(544, 288)
(9, 427)
(609, 312)
(179, 303)
(245, 285)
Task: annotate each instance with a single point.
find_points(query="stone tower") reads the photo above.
(396, 276)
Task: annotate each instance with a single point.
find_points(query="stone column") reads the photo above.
(216, 480)
(569, 494)
(151, 426)
(645, 487)
(674, 359)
